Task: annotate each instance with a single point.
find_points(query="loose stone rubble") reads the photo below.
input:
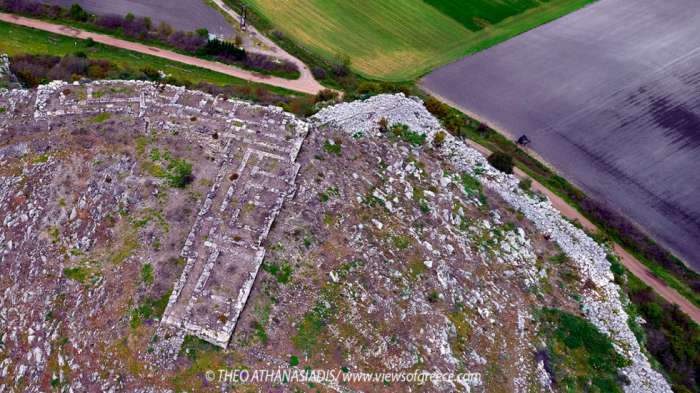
(246, 149)
(601, 304)
(322, 241)
(7, 78)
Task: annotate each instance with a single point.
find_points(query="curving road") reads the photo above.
(304, 85)
(274, 50)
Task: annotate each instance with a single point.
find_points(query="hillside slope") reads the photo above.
(389, 253)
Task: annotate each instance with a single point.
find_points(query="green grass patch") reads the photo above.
(40, 159)
(401, 242)
(147, 274)
(407, 135)
(100, 118)
(78, 274)
(582, 358)
(84, 273)
(282, 273)
(471, 185)
(398, 40)
(149, 309)
(311, 327)
(459, 318)
(479, 14)
(129, 245)
(193, 347)
(332, 147)
(179, 173)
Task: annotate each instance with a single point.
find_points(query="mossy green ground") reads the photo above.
(397, 40)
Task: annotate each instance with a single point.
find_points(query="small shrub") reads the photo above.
(202, 32)
(76, 12)
(471, 185)
(408, 135)
(525, 184)
(332, 147)
(282, 273)
(439, 139)
(401, 242)
(437, 108)
(383, 124)
(501, 161)
(433, 297)
(341, 65)
(326, 95)
(319, 73)
(180, 173)
(293, 361)
(151, 73)
(149, 309)
(75, 273)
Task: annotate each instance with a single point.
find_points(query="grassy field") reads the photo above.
(19, 40)
(397, 40)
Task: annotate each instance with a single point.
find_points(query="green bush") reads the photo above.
(439, 138)
(525, 184)
(408, 135)
(501, 161)
(179, 173)
(75, 273)
(149, 309)
(332, 147)
(151, 73)
(76, 12)
(326, 95)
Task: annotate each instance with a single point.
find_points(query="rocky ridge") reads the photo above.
(378, 241)
(602, 303)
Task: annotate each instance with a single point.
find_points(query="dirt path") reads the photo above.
(629, 261)
(304, 85)
(274, 49)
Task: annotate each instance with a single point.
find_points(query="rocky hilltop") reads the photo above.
(153, 235)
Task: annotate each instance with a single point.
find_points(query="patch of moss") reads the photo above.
(100, 118)
(332, 147)
(581, 357)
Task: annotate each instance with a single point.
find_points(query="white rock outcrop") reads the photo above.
(602, 304)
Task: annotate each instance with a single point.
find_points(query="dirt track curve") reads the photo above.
(274, 49)
(304, 84)
(629, 261)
